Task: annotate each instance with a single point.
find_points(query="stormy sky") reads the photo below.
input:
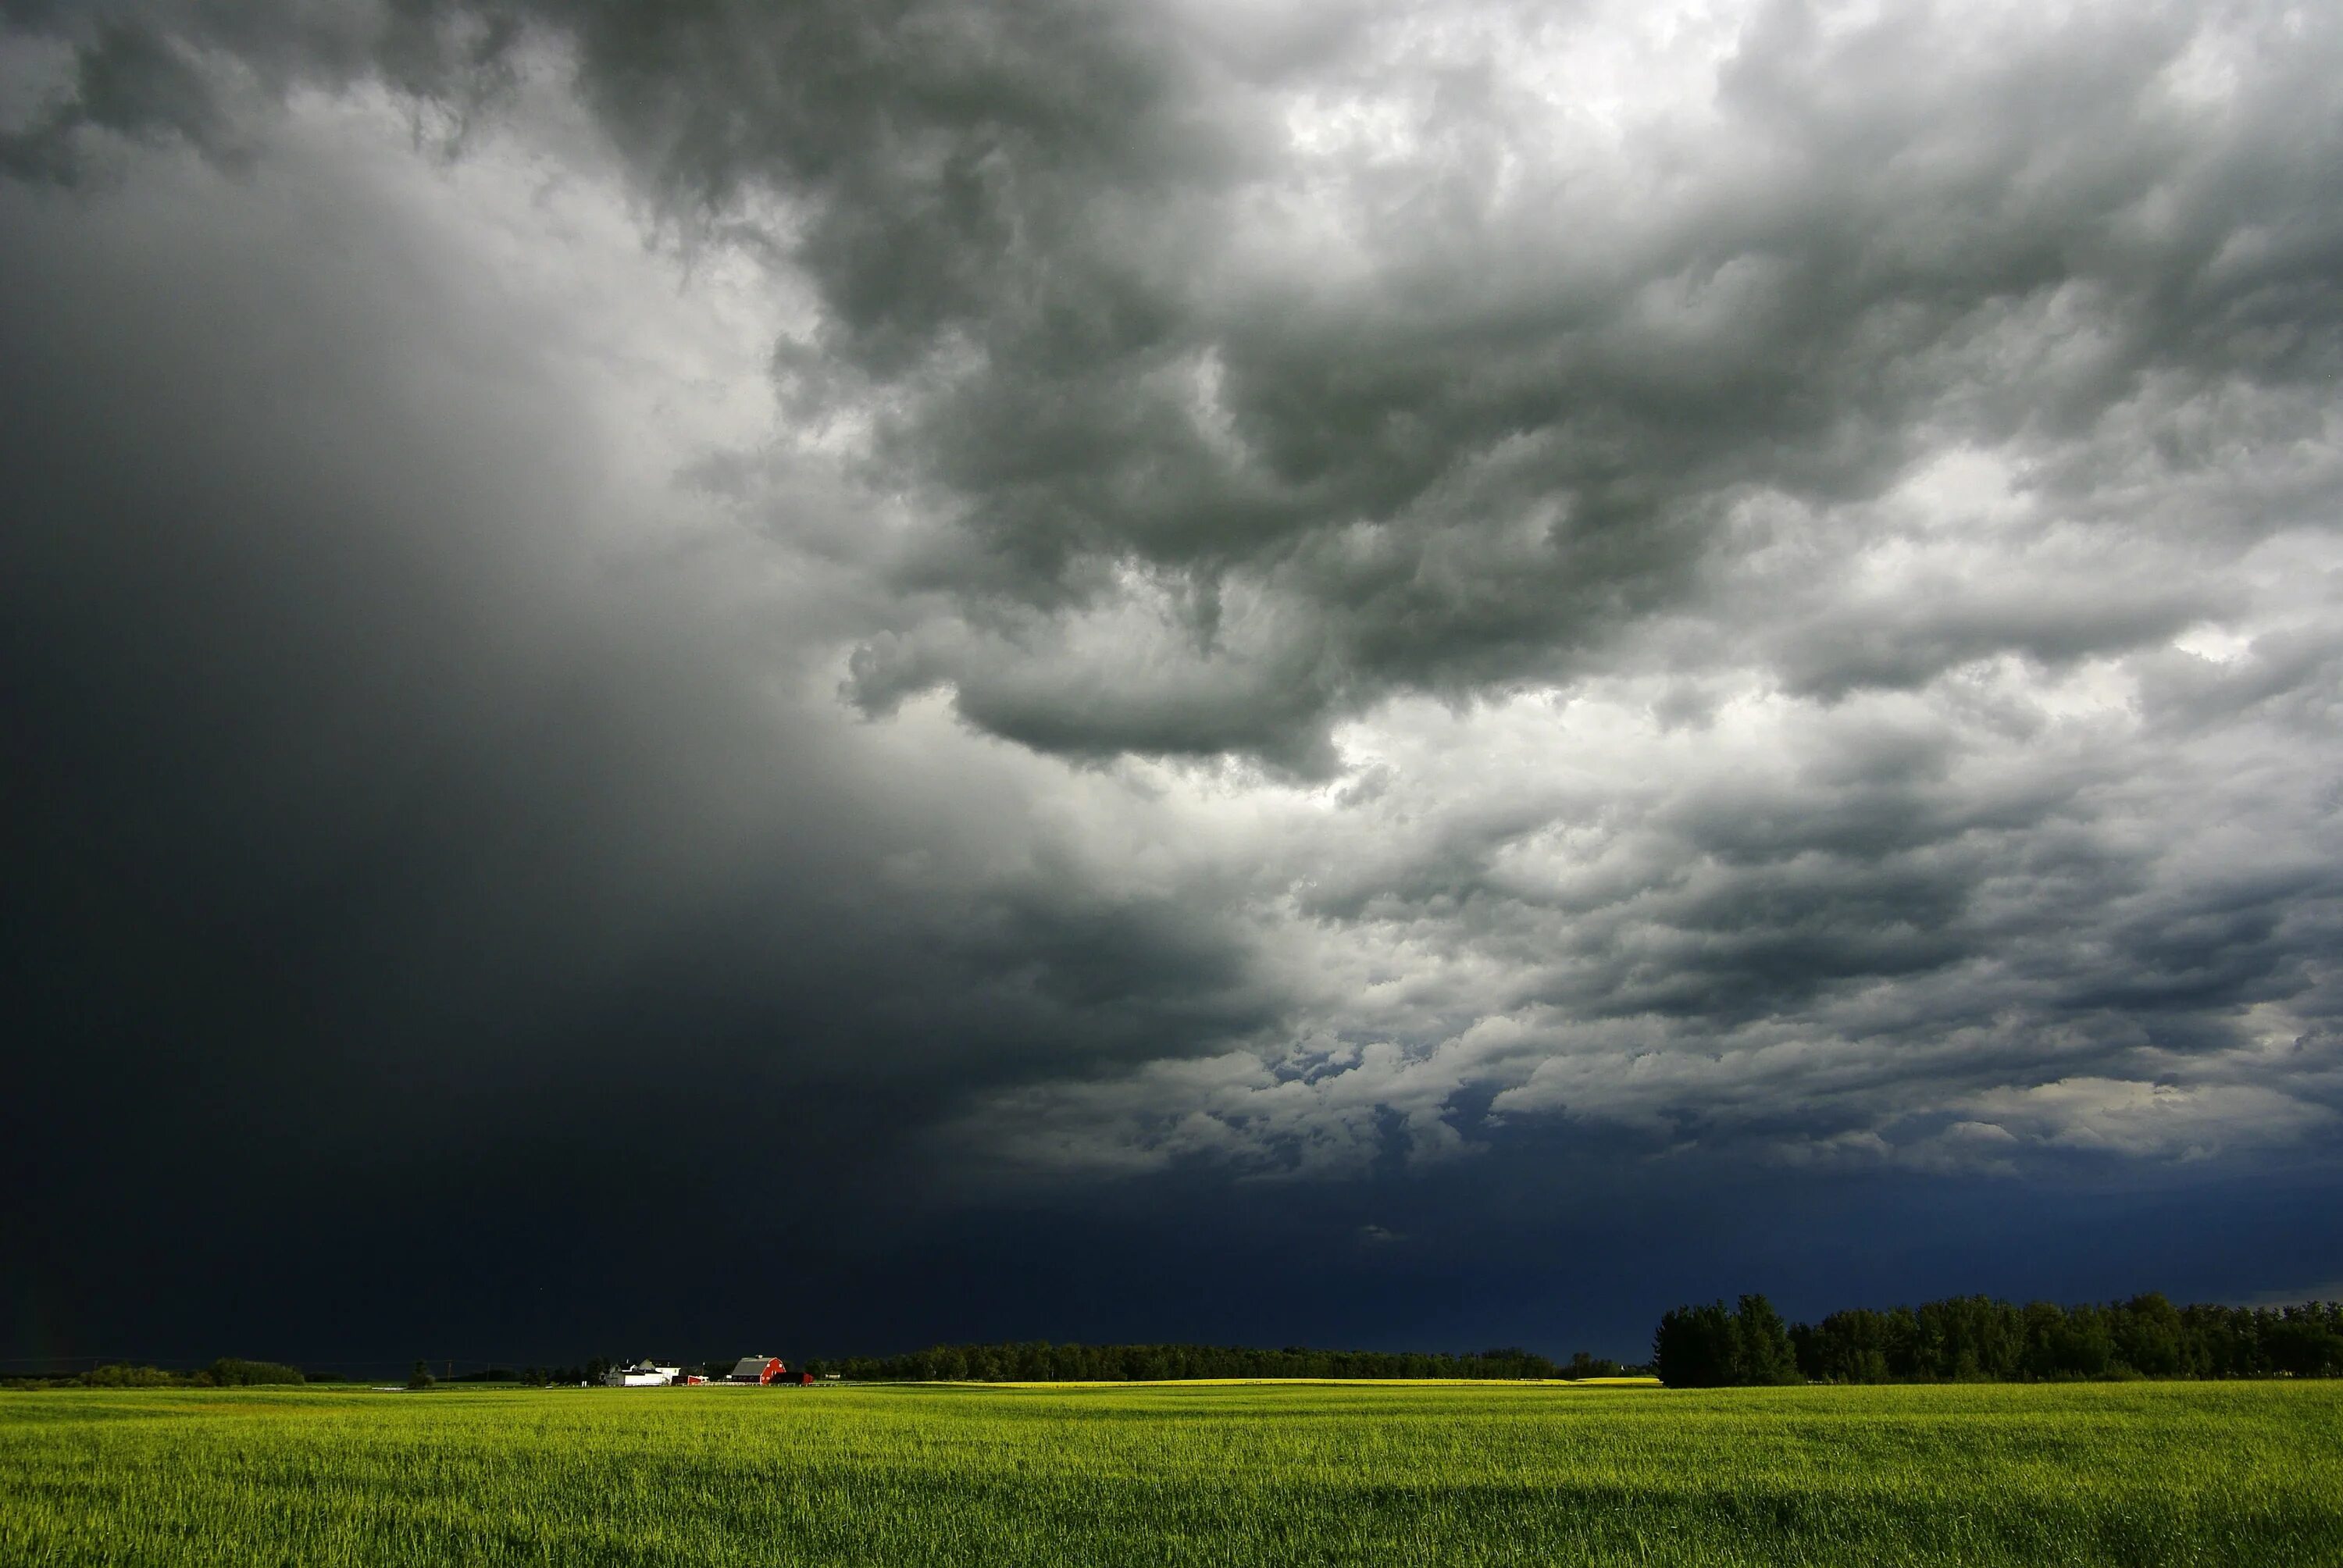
(819, 677)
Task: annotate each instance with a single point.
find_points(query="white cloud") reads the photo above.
(2143, 1121)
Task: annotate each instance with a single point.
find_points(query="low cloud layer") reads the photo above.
(1147, 597)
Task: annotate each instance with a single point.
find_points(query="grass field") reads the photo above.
(2116, 1473)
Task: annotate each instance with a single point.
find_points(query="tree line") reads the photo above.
(1041, 1361)
(229, 1372)
(1960, 1339)
(1984, 1339)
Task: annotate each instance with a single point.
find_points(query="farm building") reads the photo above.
(759, 1370)
(643, 1375)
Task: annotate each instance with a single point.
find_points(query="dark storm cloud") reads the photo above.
(1456, 407)
(394, 832)
(131, 81)
(1466, 422)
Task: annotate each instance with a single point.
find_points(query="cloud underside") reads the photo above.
(1294, 584)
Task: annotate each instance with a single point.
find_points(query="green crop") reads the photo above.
(2133, 1473)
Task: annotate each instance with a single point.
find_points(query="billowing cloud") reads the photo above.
(1327, 593)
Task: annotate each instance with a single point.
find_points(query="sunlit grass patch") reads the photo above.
(1200, 1473)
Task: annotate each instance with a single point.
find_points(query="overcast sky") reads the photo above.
(819, 676)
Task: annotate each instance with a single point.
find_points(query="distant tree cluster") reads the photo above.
(1044, 1362)
(1747, 1345)
(530, 1376)
(229, 1372)
(545, 1376)
(1980, 1338)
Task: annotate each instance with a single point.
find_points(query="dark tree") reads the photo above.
(231, 1372)
(1696, 1347)
(1976, 1337)
(1761, 1344)
(2303, 1347)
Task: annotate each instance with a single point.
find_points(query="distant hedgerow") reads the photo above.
(1977, 1339)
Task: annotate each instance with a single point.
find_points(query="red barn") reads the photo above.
(758, 1370)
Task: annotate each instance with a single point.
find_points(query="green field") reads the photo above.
(2116, 1474)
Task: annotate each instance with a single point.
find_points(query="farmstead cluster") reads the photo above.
(760, 1371)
